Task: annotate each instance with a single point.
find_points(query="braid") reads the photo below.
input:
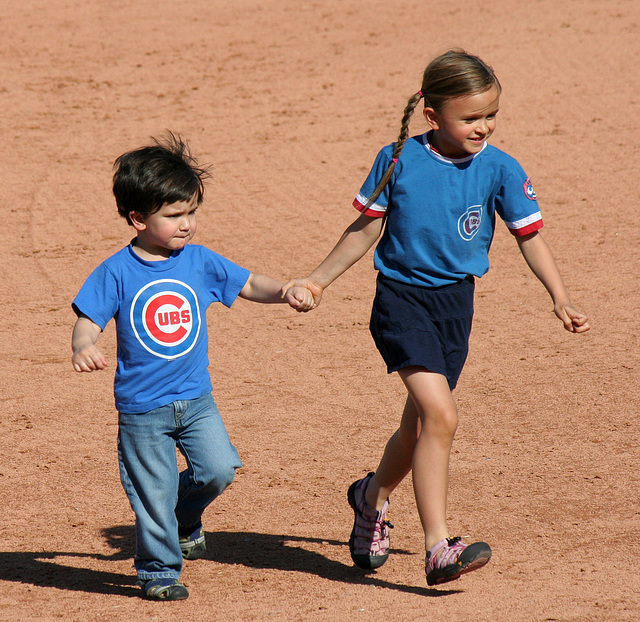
(397, 148)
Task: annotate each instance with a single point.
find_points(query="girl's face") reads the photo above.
(166, 230)
(464, 124)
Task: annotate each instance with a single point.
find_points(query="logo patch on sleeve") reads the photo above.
(529, 192)
(165, 318)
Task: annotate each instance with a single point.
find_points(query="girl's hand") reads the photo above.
(299, 298)
(574, 321)
(357, 239)
(308, 284)
(88, 358)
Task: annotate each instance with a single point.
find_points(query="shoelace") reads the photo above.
(379, 529)
(448, 554)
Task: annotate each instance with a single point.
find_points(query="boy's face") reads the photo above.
(166, 230)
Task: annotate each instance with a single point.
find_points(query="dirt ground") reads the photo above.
(290, 101)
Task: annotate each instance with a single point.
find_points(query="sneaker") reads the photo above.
(192, 542)
(450, 558)
(369, 541)
(164, 589)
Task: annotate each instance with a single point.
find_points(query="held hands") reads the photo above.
(312, 293)
(298, 298)
(574, 321)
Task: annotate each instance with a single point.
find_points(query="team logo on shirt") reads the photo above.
(529, 192)
(165, 318)
(469, 222)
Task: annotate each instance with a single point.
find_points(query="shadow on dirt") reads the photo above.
(47, 569)
(259, 550)
(253, 550)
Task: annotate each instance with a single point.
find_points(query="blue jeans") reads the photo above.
(159, 495)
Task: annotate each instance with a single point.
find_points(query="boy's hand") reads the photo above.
(310, 285)
(88, 358)
(299, 298)
(574, 321)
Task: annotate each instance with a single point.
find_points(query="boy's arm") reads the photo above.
(261, 288)
(539, 258)
(357, 239)
(86, 356)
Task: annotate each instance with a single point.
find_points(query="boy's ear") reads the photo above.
(432, 118)
(137, 220)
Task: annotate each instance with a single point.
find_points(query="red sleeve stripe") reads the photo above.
(526, 225)
(534, 226)
(375, 210)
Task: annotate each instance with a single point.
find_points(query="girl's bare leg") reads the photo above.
(422, 443)
(397, 458)
(439, 418)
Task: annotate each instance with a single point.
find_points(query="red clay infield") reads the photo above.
(290, 102)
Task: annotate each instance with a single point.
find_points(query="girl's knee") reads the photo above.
(450, 422)
(443, 422)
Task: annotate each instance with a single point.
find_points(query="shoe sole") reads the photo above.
(473, 557)
(366, 562)
(177, 591)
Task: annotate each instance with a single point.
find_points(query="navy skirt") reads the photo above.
(427, 327)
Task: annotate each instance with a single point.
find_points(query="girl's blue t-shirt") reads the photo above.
(441, 212)
(160, 312)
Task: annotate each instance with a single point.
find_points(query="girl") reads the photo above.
(438, 194)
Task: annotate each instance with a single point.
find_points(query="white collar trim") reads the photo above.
(442, 158)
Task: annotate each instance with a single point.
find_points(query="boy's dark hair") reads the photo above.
(164, 172)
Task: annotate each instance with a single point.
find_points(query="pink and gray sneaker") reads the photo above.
(450, 558)
(369, 541)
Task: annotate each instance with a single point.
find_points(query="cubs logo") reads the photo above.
(529, 192)
(165, 318)
(469, 222)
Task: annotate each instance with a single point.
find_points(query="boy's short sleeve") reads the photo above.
(98, 297)
(224, 278)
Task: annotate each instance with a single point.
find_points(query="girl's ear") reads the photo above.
(432, 118)
(137, 220)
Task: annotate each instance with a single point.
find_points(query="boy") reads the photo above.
(158, 289)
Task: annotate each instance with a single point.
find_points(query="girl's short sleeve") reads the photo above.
(379, 168)
(516, 202)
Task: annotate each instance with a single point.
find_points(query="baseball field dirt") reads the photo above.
(289, 101)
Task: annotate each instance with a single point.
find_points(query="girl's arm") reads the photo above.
(86, 356)
(261, 288)
(539, 258)
(357, 239)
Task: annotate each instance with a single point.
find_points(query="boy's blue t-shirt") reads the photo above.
(160, 313)
(441, 212)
